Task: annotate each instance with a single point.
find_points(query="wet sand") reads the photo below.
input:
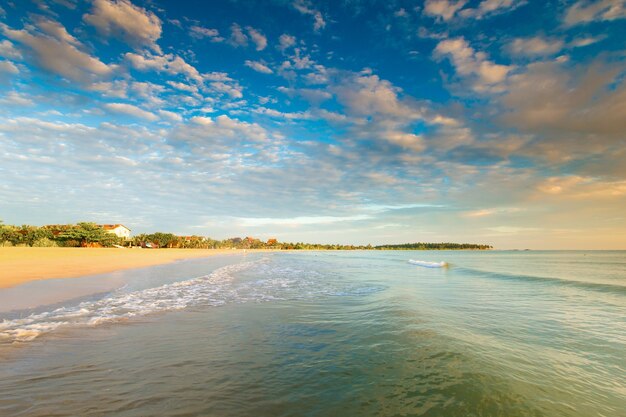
(21, 265)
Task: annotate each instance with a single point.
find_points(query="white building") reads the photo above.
(118, 230)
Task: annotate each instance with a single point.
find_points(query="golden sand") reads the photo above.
(19, 265)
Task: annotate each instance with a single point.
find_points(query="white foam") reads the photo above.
(266, 281)
(122, 306)
(427, 264)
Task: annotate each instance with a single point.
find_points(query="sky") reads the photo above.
(348, 121)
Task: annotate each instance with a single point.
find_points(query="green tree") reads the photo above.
(87, 233)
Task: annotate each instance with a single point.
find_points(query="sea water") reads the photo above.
(360, 333)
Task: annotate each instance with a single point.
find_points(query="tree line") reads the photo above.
(86, 234)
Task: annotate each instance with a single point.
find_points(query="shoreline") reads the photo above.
(20, 265)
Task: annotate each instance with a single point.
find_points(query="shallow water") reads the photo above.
(331, 333)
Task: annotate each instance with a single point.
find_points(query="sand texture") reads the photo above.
(19, 265)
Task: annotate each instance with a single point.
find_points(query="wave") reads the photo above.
(427, 264)
(267, 282)
(597, 286)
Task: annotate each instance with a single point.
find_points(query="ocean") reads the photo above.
(363, 333)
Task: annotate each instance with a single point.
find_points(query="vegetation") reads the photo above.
(71, 235)
(434, 246)
(92, 235)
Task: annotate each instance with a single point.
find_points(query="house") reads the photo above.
(118, 230)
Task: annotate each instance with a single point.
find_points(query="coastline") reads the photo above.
(25, 264)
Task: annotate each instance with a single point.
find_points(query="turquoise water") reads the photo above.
(331, 334)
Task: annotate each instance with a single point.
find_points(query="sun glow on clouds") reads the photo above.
(461, 116)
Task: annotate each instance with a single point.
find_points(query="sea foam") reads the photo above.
(261, 280)
(427, 264)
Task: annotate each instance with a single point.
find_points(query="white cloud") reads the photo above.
(122, 19)
(117, 89)
(57, 51)
(8, 50)
(8, 67)
(443, 9)
(298, 221)
(184, 87)
(305, 7)
(57, 31)
(129, 109)
(281, 115)
(175, 117)
(586, 41)
(368, 95)
(237, 37)
(468, 62)
(168, 63)
(405, 140)
(585, 11)
(286, 41)
(259, 67)
(199, 32)
(221, 134)
(233, 90)
(535, 46)
(492, 7)
(311, 95)
(257, 37)
(14, 98)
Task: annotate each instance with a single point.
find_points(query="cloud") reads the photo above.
(443, 9)
(286, 41)
(492, 7)
(592, 101)
(129, 109)
(580, 187)
(14, 98)
(55, 50)
(168, 63)
(233, 90)
(305, 7)
(470, 63)
(122, 19)
(283, 115)
(8, 67)
(585, 11)
(488, 212)
(298, 221)
(586, 41)
(257, 37)
(368, 95)
(8, 50)
(535, 46)
(258, 67)
(312, 95)
(175, 117)
(199, 32)
(184, 87)
(237, 37)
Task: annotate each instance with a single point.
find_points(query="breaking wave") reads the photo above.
(427, 264)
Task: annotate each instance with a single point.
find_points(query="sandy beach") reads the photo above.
(20, 265)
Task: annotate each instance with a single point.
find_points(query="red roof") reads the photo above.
(113, 226)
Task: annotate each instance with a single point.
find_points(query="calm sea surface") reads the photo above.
(330, 334)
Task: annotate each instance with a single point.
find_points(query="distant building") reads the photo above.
(118, 230)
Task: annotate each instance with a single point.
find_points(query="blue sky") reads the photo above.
(494, 121)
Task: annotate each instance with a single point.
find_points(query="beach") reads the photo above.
(25, 264)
